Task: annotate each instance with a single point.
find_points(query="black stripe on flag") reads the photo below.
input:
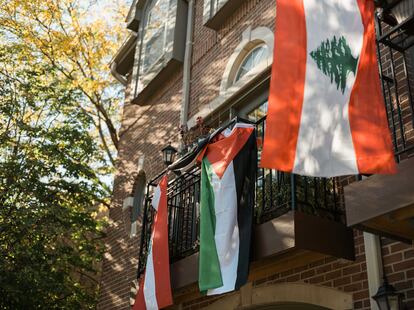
(245, 167)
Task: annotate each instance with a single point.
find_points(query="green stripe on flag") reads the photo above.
(209, 272)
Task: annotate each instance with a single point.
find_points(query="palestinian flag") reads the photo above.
(326, 112)
(155, 288)
(226, 210)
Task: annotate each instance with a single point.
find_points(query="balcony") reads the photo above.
(297, 219)
(384, 204)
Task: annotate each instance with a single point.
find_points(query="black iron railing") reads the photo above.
(183, 196)
(279, 192)
(396, 54)
(276, 194)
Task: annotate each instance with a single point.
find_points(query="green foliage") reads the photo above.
(50, 239)
(334, 58)
(77, 38)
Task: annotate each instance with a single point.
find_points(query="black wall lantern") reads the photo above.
(387, 297)
(168, 154)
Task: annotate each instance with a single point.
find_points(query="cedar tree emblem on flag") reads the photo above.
(335, 59)
(326, 114)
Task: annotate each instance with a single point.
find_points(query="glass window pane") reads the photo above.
(252, 59)
(139, 194)
(258, 112)
(154, 33)
(153, 50)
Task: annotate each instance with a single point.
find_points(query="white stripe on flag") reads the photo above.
(149, 284)
(156, 198)
(325, 119)
(227, 229)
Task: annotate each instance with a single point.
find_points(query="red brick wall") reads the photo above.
(399, 268)
(147, 129)
(212, 49)
(400, 94)
(347, 276)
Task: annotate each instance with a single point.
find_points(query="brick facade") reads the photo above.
(147, 129)
(345, 275)
(212, 49)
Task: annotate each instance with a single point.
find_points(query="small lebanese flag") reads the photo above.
(326, 113)
(155, 288)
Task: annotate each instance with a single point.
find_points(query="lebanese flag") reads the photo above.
(155, 288)
(326, 112)
(228, 170)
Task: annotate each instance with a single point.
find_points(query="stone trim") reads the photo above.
(228, 90)
(285, 293)
(374, 265)
(250, 39)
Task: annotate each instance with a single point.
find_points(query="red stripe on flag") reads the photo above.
(140, 299)
(160, 253)
(367, 116)
(221, 153)
(286, 86)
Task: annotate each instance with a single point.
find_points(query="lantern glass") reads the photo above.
(387, 298)
(394, 302)
(382, 303)
(168, 154)
(388, 302)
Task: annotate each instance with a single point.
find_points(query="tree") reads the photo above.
(77, 38)
(334, 58)
(59, 112)
(50, 240)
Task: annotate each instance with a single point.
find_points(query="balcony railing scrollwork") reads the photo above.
(395, 47)
(276, 194)
(279, 192)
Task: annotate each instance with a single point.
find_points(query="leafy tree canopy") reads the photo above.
(77, 38)
(58, 136)
(49, 190)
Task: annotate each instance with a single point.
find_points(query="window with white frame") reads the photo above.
(161, 45)
(257, 55)
(251, 57)
(154, 33)
(246, 68)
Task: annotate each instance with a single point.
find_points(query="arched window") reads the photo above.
(252, 59)
(245, 69)
(139, 194)
(138, 203)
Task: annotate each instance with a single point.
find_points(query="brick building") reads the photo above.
(189, 60)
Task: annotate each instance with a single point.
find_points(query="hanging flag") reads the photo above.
(155, 288)
(226, 210)
(326, 113)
